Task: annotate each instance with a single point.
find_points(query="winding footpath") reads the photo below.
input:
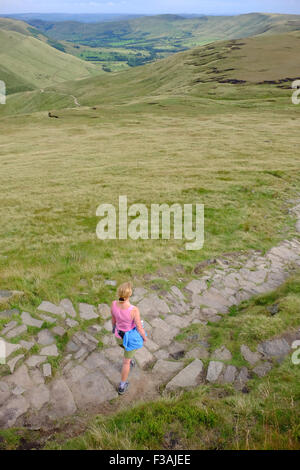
(76, 102)
(32, 394)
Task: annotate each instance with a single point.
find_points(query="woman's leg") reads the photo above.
(125, 369)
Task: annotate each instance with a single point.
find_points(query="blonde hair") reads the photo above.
(125, 290)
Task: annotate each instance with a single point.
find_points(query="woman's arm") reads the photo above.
(137, 320)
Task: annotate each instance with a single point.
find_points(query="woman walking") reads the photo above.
(128, 330)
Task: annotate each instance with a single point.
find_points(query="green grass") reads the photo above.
(167, 132)
(28, 62)
(213, 416)
(266, 419)
(63, 169)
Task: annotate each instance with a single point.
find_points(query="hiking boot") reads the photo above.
(122, 390)
(132, 363)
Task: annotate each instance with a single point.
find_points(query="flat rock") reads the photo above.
(13, 362)
(87, 312)
(76, 373)
(71, 323)
(176, 350)
(8, 348)
(59, 331)
(222, 354)
(81, 353)
(108, 325)
(200, 352)
(104, 311)
(114, 354)
(249, 356)
(47, 370)
(21, 378)
(94, 329)
(27, 344)
(45, 338)
(274, 348)
(61, 400)
(258, 277)
(177, 292)
(167, 369)
(163, 333)
(49, 351)
(109, 340)
(210, 300)
(153, 306)
(49, 307)
(143, 357)
(92, 389)
(35, 360)
(18, 390)
(111, 283)
(197, 287)
(39, 396)
(8, 313)
(243, 378)
(230, 374)
(72, 347)
(177, 321)
(10, 326)
(48, 319)
(28, 320)
(190, 376)
(99, 361)
(4, 393)
(214, 371)
(67, 307)
(263, 369)
(18, 331)
(12, 410)
(151, 346)
(36, 376)
(161, 354)
(138, 294)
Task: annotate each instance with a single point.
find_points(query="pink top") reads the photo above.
(123, 318)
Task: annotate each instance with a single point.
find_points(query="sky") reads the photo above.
(213, 7)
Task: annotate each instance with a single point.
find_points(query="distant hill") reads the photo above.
(81, 17)
(28, 62)
(253, 67)
(271, 59)
(168, 31)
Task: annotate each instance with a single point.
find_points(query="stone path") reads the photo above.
(61, 370)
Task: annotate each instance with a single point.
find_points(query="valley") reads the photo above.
(213, 124)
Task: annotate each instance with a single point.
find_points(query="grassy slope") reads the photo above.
(17, 26)
(167, 132)
(201, 73)
(27, 62)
